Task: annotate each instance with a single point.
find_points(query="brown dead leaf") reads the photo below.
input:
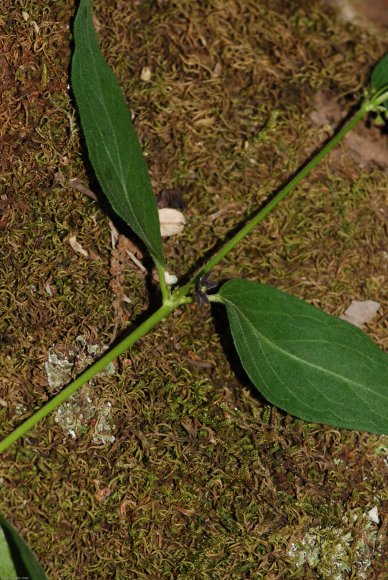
(77, 247)
(123, 249)
(360, 313)
(365, 149)
(102, 493)
(365, 145)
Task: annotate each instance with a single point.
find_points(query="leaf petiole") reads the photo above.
(164, 289)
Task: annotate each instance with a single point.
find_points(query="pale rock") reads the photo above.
(170, 278)
(146, 74)
(172, 222)
(373, 515)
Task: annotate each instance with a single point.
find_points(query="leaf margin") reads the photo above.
(19, 548)
(87, 47)
(353, 423)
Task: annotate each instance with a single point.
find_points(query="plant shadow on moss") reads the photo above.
(222, 328)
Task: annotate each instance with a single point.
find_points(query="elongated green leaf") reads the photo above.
(16, 558)
(113, 147)
(310, 364)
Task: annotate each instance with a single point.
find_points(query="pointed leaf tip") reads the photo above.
(110, 136)
(308, 363)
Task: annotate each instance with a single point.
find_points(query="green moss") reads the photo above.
(204, 479)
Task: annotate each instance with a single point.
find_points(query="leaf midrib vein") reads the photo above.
(302, 361)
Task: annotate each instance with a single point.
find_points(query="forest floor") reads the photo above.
(171, 465)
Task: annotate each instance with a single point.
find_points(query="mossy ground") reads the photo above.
(204, 479)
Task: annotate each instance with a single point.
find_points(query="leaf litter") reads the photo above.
(360, 313)
(77, 246)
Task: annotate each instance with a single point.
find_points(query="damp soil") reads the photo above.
(172, 465)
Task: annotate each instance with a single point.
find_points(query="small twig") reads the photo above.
(75, 184)
(198, 363)
(136, 261)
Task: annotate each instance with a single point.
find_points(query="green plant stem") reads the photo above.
(91, 372)
(363, 111)
(164, 289)
(180, 295)
(377, 100)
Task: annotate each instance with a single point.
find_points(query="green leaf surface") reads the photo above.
(308, 363)
(380, 74)
(16, 558)
(7, 566)
(110, 136)
(380, 79)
